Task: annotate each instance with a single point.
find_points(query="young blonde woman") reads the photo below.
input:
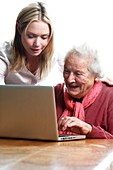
(29, 59)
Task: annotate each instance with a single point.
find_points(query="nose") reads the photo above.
(37, 41)
(71, 77)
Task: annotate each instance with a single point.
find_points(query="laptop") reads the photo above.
(29, 112)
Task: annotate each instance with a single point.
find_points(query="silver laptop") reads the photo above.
(29, 112)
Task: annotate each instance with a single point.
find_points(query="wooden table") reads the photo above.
(88, 154)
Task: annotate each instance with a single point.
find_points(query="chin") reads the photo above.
(73, 94)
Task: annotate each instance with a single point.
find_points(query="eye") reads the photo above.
(44, 37)
(30, 36)
(79, 74)
(66, 71)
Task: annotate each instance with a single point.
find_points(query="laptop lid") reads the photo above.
(28, 112)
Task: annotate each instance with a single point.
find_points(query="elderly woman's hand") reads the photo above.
(107, 80)
(74, 125)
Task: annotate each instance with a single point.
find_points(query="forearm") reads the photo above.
(100, 133)
(3, 70)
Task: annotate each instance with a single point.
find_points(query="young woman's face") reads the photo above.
(36, 38)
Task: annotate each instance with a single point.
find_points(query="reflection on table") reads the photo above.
(88, 154)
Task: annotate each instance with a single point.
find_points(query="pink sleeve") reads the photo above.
(98, 132)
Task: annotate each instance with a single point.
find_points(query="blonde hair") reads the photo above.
(34, 11)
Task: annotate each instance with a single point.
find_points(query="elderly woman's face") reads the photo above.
(77, 77)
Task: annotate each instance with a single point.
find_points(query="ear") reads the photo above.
(97, 78)
(18, 27)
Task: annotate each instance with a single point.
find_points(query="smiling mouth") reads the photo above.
(73, 86)
(36, 49)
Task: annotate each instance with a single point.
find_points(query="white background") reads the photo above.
(75, 22)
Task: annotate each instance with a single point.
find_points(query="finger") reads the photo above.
(66, 122)
(60, 123)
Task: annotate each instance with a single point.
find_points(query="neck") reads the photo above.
(32, 64)
(77, 100)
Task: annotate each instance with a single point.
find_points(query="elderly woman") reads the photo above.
(84, 104)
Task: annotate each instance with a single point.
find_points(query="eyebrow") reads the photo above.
(28, 32)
